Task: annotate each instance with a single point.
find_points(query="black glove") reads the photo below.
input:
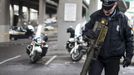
(86, 38)
(88, 35)
(126, 62)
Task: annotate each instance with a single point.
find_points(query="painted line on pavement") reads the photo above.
(50, 60)
(10, 59)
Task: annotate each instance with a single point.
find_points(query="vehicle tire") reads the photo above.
(76, 56)
(69, 46)
(35, 57)
(12, 38)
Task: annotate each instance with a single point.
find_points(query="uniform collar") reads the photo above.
(113, 16)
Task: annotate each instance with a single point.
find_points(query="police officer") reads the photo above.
(117, 43)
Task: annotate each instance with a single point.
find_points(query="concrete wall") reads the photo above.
(93, 6)
(42, 11)
(4, 20)
(63, 25)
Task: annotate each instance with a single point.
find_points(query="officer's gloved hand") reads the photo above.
(89, 35)
(126, 62)
(86, 38)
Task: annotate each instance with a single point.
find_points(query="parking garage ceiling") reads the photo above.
(51, 5)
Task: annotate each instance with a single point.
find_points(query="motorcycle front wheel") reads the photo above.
(35, 57)
(76, 56)
(69, 46)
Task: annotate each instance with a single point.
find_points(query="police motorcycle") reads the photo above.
(75, 45)
(38, 48)
(78, 50)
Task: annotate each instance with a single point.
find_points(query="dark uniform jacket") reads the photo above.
(119, 38)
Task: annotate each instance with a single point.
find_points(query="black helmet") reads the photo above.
(108, 4)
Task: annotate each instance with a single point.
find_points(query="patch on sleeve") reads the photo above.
(117, 28)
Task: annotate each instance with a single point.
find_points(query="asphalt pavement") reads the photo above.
(15, 61)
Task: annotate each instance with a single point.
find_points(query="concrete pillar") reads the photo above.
(11, 14)
(20, 14)
(69, 14)
(93, 6)
(29, 13)
(42, 11)
(4, 20)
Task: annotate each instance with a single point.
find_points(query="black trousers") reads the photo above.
(111, 66)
